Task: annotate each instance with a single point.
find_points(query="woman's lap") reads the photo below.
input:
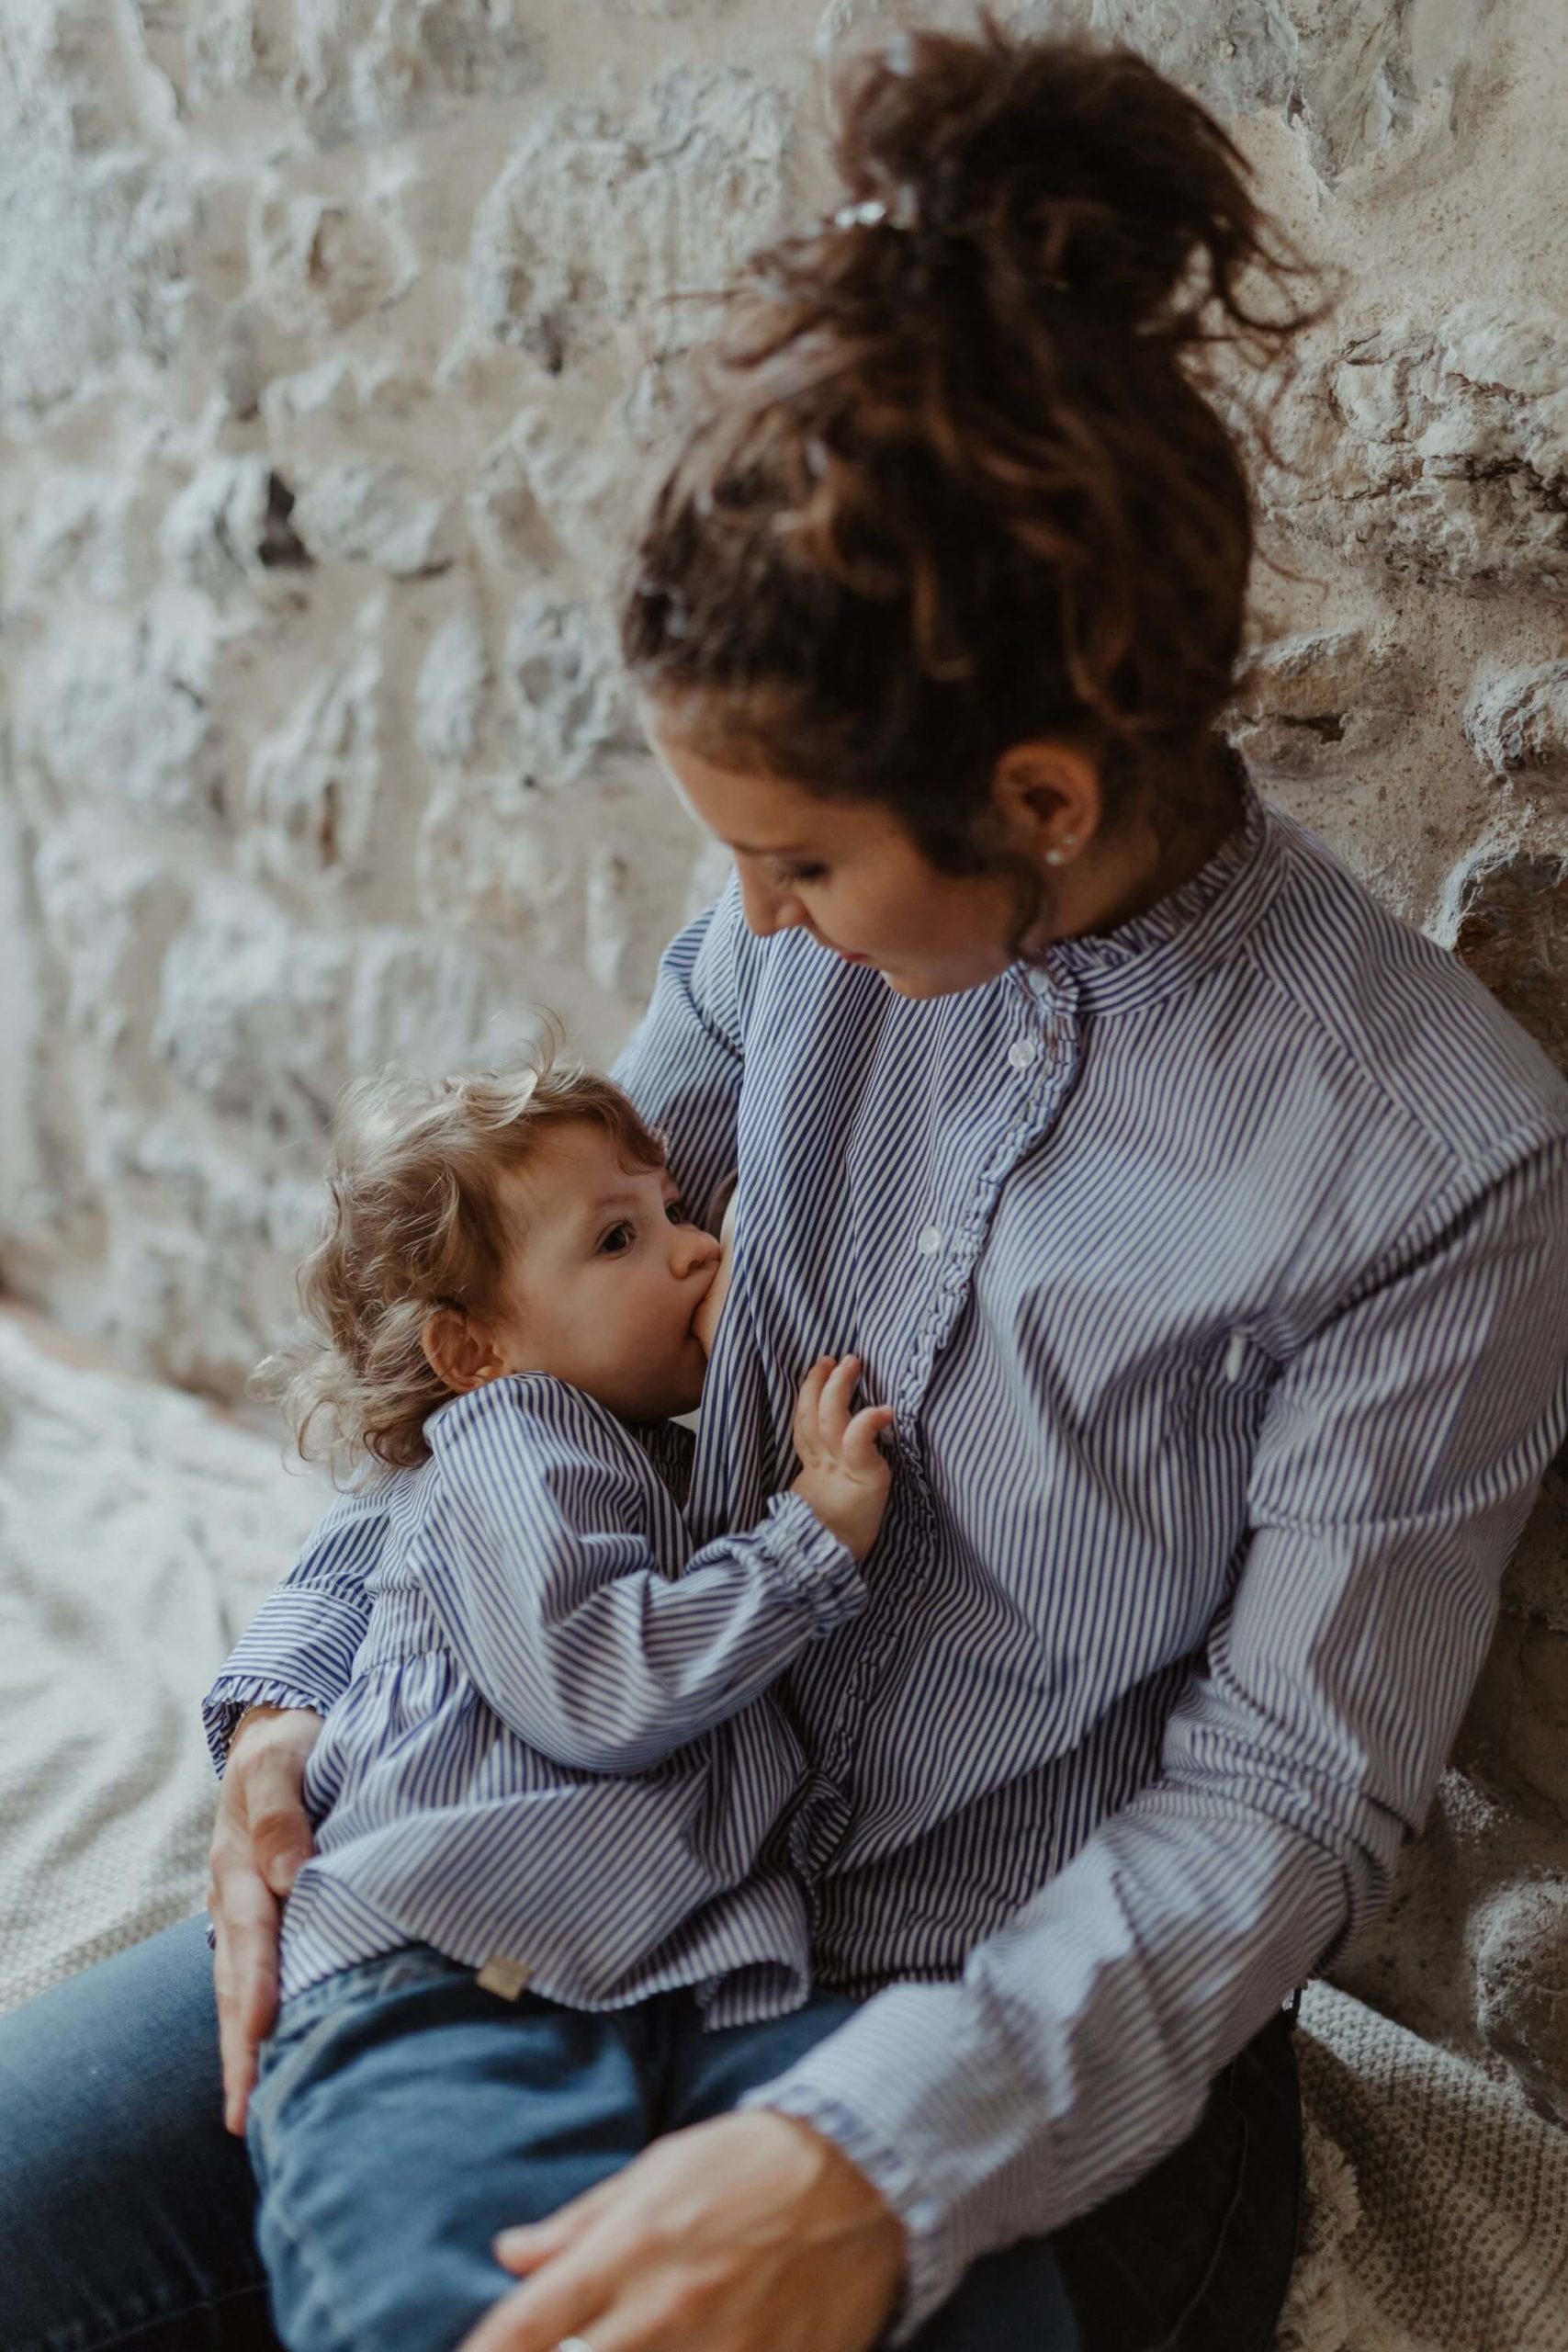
(126, 2213)
(126, 2209)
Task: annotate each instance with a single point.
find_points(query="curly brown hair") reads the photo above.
(964, 482)
(415, 1224)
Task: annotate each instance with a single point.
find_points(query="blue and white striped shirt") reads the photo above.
(1217, 1269)
(524, 1764)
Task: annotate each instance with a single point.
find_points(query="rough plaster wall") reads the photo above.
(331, 353)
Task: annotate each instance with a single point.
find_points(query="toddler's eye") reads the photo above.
(618, 1241)
(676, 1212)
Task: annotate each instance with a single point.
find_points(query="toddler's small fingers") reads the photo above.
(860, 1449)
(838, 1395)
(808, 1405)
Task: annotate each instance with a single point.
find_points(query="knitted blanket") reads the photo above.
(1437, 2214)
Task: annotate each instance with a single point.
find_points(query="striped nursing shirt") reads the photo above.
(1217, 1269)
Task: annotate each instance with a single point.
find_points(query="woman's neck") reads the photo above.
(1147, 859)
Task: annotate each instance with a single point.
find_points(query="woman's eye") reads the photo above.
(618, 1241)
(803, 874)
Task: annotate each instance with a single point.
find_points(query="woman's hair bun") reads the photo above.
(1092, 175)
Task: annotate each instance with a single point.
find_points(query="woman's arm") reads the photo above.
(557, 1607)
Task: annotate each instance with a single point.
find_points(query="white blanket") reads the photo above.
(138, 1532)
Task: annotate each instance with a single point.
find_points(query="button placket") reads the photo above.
(820, 1826)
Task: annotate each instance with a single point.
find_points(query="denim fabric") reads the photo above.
(126, 2213)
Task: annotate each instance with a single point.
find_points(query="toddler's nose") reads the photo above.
(696, 1252)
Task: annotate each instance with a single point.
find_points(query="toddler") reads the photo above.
(546, 1795)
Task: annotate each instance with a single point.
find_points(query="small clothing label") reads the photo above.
(505, 1976)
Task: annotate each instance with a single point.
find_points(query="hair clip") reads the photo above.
(904, 212)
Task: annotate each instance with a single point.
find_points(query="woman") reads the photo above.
(1204, 1226)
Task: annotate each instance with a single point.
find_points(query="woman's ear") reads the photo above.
(459, 1349)
(1048, 797)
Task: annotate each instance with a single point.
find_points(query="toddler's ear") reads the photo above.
(459, 1351)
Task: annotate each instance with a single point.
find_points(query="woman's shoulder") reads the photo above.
(1419, 1038)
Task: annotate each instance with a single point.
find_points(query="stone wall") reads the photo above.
(332, 351)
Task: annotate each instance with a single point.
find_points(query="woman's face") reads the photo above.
(849, 873)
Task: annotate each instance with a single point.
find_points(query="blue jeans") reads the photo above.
(126, 2214)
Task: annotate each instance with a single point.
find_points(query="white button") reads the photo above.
(931, 1240)
(1236, 1355)
(1023, 1051)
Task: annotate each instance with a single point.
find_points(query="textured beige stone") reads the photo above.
(1440, 451)
(566, 687)
(315, 263)
(114, 708)
(1513, 932)
(1514, 1740)
(362, 512)
(251, 1016)
(1517, 723)
(368, 69)
(1349, 76)
(1317, 706)
(1520, 1940)
(230, 522)
(596, 219)
(454, 688)
(310, 794)
(108, 907)
(495, 852)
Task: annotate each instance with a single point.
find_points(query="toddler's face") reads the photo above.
(605, 1286)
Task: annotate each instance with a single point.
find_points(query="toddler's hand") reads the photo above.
(843, 1475)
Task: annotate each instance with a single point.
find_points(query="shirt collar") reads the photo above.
(1183, 934)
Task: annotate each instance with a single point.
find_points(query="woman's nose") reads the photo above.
(767, 910)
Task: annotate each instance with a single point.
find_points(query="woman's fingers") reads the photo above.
(261, 1837)
(245, 1979)
(562, 2300)
(526, 2246)
(279, 1826)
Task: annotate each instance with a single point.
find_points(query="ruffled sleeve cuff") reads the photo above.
(813, 1566)
(298, 1652)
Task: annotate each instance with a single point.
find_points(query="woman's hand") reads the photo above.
(261, 1837)
(750, 2234)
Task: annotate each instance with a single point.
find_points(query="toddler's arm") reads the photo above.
(298, 1649)
(539, 1564)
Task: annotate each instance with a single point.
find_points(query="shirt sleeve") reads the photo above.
(682, 1067)
(299, 1650)
(1396, 1464)
(537, 1562)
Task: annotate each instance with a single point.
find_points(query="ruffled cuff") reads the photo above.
(298, 1652)
(813, 1566)
(934, 2265)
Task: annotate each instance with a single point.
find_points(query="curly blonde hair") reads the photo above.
(415, 1224)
